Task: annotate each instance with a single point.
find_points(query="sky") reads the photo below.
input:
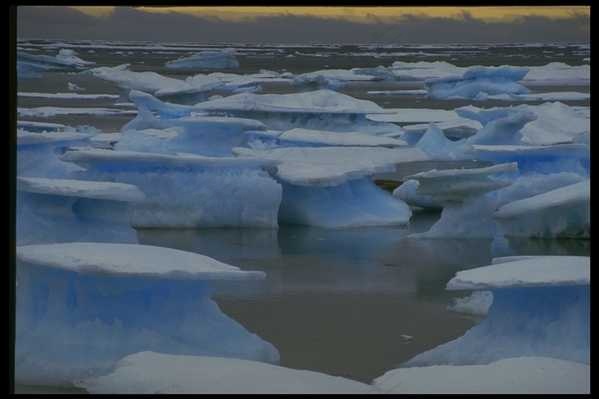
(308, 24)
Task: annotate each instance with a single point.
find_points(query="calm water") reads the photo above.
(353, 302)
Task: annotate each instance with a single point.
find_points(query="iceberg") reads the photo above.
(331, 186)
(150, 372)
(517, 375)
(478, 83)
(206, 60)
(83, 306)
(211, 191)
(59, 210)
(540, 308)
(562, 212)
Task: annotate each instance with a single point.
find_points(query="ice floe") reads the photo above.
(540, 308)
(83, 306)
(517, 375)
(478, 83)
(477, 303)
(59, 210)
(212, 191)
(562, 212)
(149, 372)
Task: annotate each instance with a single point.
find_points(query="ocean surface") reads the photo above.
(348, 302)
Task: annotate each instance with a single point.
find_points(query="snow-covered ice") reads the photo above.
(149, 372)
(562, 212)
(540, 308)
(478, 83)
(83, 306)
(59, 210)
(211, 191)
(517, 375)
(477, 303)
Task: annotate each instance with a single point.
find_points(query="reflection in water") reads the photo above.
(351, 302)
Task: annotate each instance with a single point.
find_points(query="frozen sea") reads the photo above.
(348, 302)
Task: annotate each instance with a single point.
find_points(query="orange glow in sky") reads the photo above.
(359, 14)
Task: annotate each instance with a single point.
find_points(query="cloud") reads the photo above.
(126, 23)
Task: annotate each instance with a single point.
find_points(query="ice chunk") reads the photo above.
(149, 372)
(562, 212)
(407, 192)
(529, 271)
(477, 82)
(211, 191)
(503, 130)
(435, 144)
(518, 375)
(83, 306)
(328, 186)
(478, 303)
(549, 96)
(555, 123)
(307, 137)
(74, 87)
(540, 308)
(130, 260)
(206, 60)
(355, 203)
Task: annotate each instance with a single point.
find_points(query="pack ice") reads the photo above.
(540, 308)
(83, 306)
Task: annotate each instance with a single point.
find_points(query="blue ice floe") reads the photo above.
(83, 306)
